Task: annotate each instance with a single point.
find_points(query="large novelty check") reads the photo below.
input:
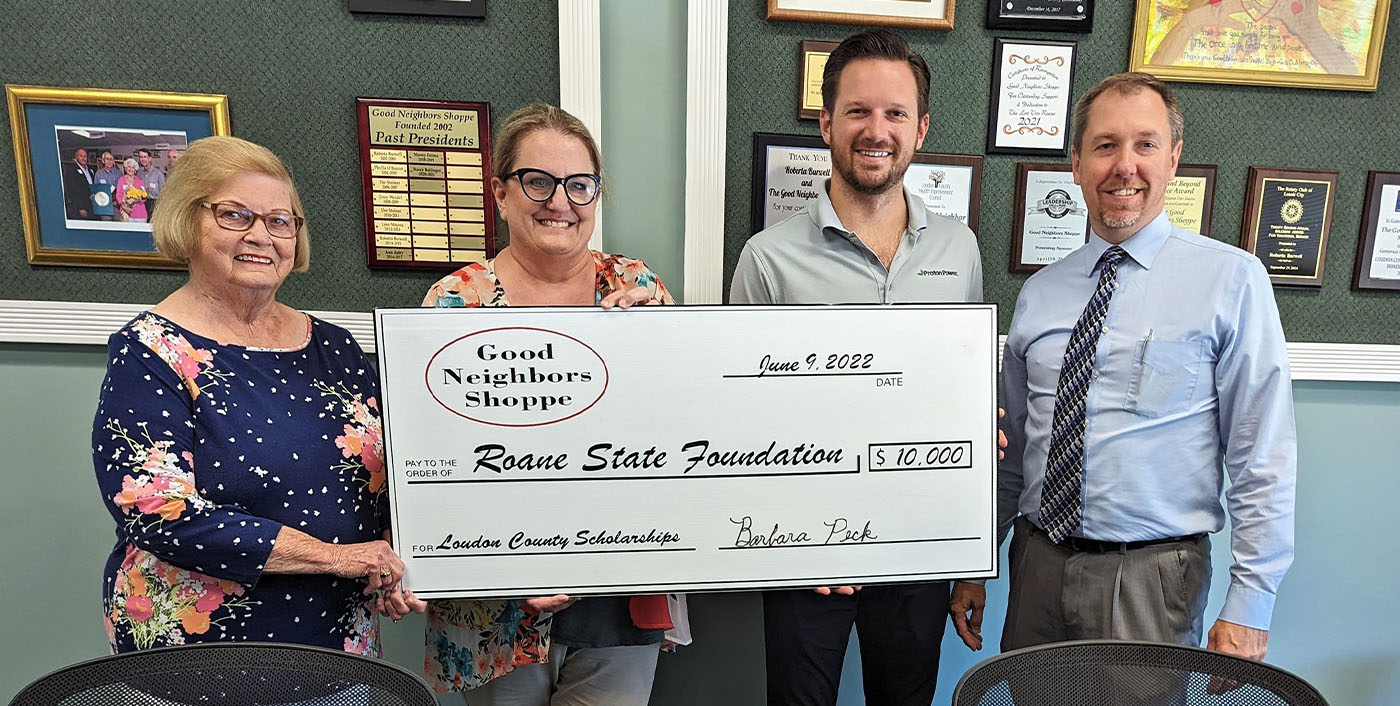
(535, 451)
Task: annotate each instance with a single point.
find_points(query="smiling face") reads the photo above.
(1125, 162)
(558, 226)
(107, 160)
(251, 259)
(80, 156)
(144, 156)
(874, 126)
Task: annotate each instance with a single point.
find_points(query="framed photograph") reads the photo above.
(1302, 43)
(1032, 90)
(425, 170)
(789, 169)
(1287, 216)
(1049, 219)
(910, 14)
(1378, 246)
(811, 61)
(443, 8)
(91, 165)
(1190, 200)
(1041, 15)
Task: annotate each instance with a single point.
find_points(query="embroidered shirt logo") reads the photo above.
(938, 273)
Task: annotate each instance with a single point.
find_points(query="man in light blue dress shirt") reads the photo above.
(1188, 378)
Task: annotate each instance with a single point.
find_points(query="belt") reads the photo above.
(1099, 546)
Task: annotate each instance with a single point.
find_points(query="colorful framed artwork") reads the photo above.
(909, 14)
(91, 164)
(1299, 43)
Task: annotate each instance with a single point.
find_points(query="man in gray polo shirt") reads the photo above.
(865, 239)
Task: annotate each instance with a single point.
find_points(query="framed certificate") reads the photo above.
(1378, 246)
(1288, 214)
(1049, 220)
(811, 61)
(425, 175)
(1032, 89)
(788, 170)
(1190, 200)
(752, 483)
(1041, 15)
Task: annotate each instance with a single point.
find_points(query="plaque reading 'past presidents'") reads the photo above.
(425, 168)
(1288, 213)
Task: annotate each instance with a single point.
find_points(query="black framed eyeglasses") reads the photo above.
(539, 186)
(231, 216)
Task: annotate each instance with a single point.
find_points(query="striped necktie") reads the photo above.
(1060, 502)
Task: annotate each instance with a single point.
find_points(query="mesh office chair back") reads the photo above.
(1123, 673)
(230, 674)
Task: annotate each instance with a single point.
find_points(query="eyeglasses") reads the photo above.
(539, 186)
(231, 216)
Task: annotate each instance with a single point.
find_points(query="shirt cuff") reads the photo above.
(1248, 607)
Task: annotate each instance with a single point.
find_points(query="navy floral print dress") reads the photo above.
(203, 452)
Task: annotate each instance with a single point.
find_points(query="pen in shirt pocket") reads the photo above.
(1145, 341)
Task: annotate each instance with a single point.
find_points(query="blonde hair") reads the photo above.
(202, 169)
(533, 118)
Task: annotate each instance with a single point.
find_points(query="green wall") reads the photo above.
(643, 59)
(292, 71)
(1232, 126)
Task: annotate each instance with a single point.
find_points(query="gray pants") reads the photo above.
(1155, 593)
(575, 676)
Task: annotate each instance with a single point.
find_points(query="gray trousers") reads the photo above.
(575, 676)
(1155, 593)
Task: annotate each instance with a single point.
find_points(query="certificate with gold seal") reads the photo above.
(425, 173)
(1288, 213)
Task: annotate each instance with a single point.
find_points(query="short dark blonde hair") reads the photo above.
(1128, 84)
(531, 119)
(203, 168)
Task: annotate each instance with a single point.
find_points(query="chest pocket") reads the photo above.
(1164, 376)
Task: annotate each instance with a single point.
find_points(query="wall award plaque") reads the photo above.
(1378, 248)
(1043, 15)
(1031, 98)
(425, 167)
(1190, 197)
(1288, 213)
(1049, 218)
(811, 62)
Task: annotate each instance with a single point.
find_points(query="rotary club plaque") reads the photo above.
(1288, 213)
(425, 167)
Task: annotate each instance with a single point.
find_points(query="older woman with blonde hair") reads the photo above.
(547, 177)
(237, 440)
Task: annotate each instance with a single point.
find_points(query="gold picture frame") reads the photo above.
(1340, 48)
(51, 126)
(909, 14)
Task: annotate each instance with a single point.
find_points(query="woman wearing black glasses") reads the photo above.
(237, 440)
(547, 651)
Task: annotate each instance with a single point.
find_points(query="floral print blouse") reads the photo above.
(471, 642)
(203, 452)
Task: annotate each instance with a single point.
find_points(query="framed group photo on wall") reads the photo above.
(91, 164)
(1049, 218)
(1378, 246)
(1287, 218)
(909, 14)
(1032, 89)
(1041, 15)
(1297, 43)
(788, 170)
